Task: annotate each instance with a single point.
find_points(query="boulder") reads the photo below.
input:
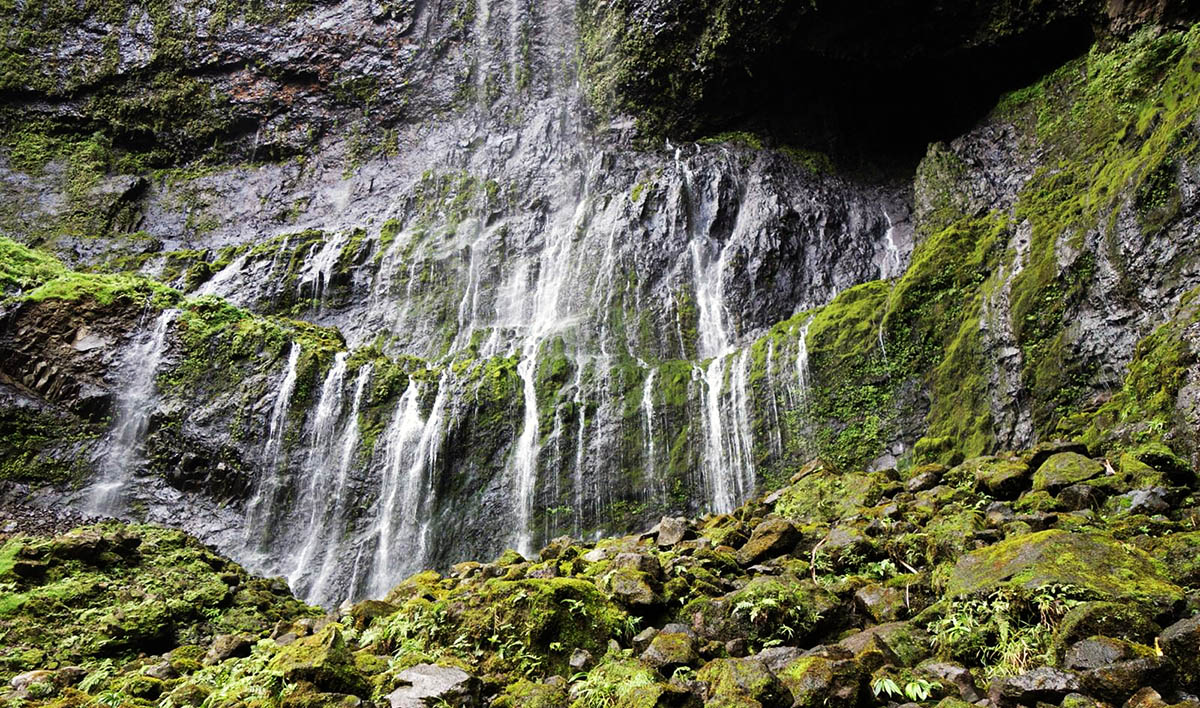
(1180, 553)
(1128, 621)
(1043, 684)
(1043, 451)
(429, 684)
(1118, 681)
(737, 682)
(367, 611)
(881, 603)
(1180, 644)
(924, 477)
(225, 646)
(909, 644)
(1096, 564)
(773, 537)
(1078, 497)
(1097, 652)
(643, 638)
(1155, 500)
(673, 530)
(322, 660)
(671, 650)
(1000, 478)
(581, 660)
(640, 562)
(632, 588)
(815, 682)
(960, 676)
(1065, 469)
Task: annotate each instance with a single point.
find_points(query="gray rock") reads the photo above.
(581, 660)
(429, 684)
(643, 638)
(226, 646)
(672, 530)
(960, 676)
(1041, 684)
(671, 650)
(1096, 652)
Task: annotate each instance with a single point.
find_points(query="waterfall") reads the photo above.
(525, 456)
(134, 406)
(320, 469)
(333, 522)
(802, 374)
(260, 509)
(651, 470)
(403, 515)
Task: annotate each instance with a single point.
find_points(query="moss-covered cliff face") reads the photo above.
(361, 288)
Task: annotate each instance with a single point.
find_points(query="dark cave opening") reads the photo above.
(881, 110)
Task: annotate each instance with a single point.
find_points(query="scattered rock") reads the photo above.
(815, 682)
(322, 660)
(226, 646)
(1002, 479)
(736, 681)
(1063, 470)
(1096, 652)
(1043, 684)
(1079, 496)
(1180, 644)
(961, 677)
(429, 684)
(367, 611)
(1043, 451)
(1118, 681)
(643, 638)
(671, 650)
(673, 529)
(581, 660)
(880, 603)
(773, 537)
(924, 478)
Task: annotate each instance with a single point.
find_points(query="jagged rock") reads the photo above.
(1180, 645)
(225, 646)
(632, 588)
(776, 658)
(596, 555)
(737, 648)
(1155, 500)
(673, 530)
(844, 543)
(1146, 697)
(322, 660)
(772, 537)
(925, 477)
(430, 684)
(1096, 652)
(881, 603)
(1090, 562)
(1079, 496)
(815, 682)
(670, 650)
(1064, 469)
(556, 548)
(1003, 479)
(1180, 553)
(960, 676)
(908, 645)
(367, 611)
(1120, 680)
(581, 660)
(1127, 621)
(162, 671)
(1041, 684)
(998, 514)
(643, 638)
(640, 562)
(734, 681)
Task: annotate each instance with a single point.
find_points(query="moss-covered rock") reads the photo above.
(322, 660)
(1091, 563)
(1064, 469)
(816, 681)
(1000, 478)
(740, 683)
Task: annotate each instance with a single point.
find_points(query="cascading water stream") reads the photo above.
(134, 405)
(320, 467)
(260, 507)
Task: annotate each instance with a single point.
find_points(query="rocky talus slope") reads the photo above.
(1042, 578)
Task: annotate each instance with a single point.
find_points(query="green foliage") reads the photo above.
(1007, 632)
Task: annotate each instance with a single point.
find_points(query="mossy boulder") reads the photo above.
(620, 683)
(1121, 620)
(527, 694)
(825, 495)
(817, 682)
(773, 537)
(998, 477)
(740, 683)
(1180, 553)
(1090, 563)
(1063, 470)
(322, 660)
(671, 650)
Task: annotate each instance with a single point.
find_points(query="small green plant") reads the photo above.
(915, 690)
